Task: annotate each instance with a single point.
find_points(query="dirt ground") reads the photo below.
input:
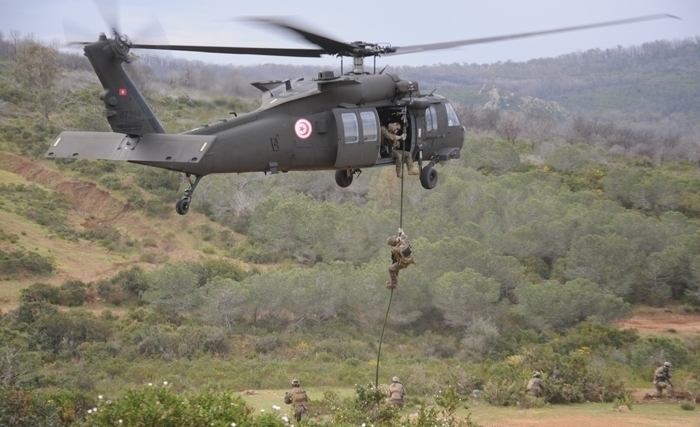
(662, 321)
(174, 238)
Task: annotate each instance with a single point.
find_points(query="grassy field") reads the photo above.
(583, 415)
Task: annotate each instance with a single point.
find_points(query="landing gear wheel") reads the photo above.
(428, 177)
(344, 178)
(182, 206)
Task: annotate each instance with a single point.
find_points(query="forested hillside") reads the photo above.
(553, 225)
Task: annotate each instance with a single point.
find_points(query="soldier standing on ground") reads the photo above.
(662, 378)
(401, 257)
(298, 399)
(397, 393)
(392, 139)
(535, 386)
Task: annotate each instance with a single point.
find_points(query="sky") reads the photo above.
(399, 23)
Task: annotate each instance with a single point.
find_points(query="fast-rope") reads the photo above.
(391, 296)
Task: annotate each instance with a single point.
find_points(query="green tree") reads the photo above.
(133, 280)
(223, 301)
(173, 289)
(611, 261)
(457, 253)
(67, 330)
(552, 305)
(37, 68)
(465, 295)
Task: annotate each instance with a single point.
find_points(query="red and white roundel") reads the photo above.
(303, 128)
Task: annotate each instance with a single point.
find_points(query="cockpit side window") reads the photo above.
(431, 122)
(452, 119)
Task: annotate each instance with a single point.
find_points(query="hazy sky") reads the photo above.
(401, 23)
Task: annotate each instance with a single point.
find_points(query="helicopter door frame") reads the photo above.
(358, 137)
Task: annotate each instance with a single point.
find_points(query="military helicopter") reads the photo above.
(329, 122)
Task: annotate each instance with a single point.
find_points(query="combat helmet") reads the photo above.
(295, 383)
(395, 380)
(392, 127)
(667, 364)
(536, 374)
(391, 241)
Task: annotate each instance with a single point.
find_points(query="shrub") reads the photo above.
(20, 261)
(366, 408)
(624, 399)
(111, 182)
(133, 280)
(30, 312)
(161, 406)
(72, 293)
(19, 408)
(67, 330)
(500, 392)
(39, 292)
(687, 406)
(654, 350)
(267, 344)
(220, 267)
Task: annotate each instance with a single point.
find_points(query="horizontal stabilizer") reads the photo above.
(149, 148)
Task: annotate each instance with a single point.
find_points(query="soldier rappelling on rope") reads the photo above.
(401, 257)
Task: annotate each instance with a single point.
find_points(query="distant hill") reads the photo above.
(655, 83)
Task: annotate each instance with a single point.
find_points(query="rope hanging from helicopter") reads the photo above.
(391, 295)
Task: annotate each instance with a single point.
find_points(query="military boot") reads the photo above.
(393, 283)
(399, 168)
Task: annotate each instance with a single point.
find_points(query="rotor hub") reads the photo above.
(121, 46)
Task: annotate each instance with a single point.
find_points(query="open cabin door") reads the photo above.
(358, 137)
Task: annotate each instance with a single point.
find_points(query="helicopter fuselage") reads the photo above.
(324, 123)
(304, 126)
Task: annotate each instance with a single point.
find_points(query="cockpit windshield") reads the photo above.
(452, 119)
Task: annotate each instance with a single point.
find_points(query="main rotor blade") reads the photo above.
(402, 50)
(330, 46)
(305, 53)
(109, 9)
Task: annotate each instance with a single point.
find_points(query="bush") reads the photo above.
(39, 292)
(23, 262)
(20, 408)
(111, 182)
(223, 268)
(500, 392)
(65, 331)
(267, 344)
(653, 351)
(72, 293)
(154, 405)
(625, 399)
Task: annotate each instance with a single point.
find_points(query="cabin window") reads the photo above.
(431, 119)
(369, 126)
(452, 119)
(352, 133)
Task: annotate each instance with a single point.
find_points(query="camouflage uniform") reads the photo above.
(662, 378)
(401, 257)
(298, 399)
(535, 386)
(391, 138)
(397, 393)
